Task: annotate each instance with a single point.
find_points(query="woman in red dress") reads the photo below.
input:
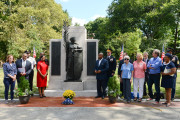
(42, 72)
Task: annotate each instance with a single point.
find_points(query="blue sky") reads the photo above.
(83, 11)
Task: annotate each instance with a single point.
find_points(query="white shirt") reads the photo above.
(23, 63)
(33, 61)
(100, 61)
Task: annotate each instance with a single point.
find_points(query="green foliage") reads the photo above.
(24, 84)
(142, 25)
(113, 86)
(25, 24)
(23, 88)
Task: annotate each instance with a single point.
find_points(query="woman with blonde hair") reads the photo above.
(10, 73)
(139, 76)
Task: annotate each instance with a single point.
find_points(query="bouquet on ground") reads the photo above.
(68, 95)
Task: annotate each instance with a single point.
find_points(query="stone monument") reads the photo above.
(75, 70)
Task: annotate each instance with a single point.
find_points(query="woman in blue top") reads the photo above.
(127, 73)
(168, 70)
(10, 73)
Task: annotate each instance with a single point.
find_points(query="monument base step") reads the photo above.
(59, 93)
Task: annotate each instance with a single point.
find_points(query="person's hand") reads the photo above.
(21, 74)
(43, 76)
(131, 80)
(164, 73)
(14, 78)
(24, 74)
(95, 71)
(112, 74)
(99, 71)
(121, 80)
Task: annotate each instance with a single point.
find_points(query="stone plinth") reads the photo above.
(75, 86)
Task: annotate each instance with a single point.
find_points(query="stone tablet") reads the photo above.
(91, 58)
(56, 58)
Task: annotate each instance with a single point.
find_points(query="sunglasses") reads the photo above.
(126, 59)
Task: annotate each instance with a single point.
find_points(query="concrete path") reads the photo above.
(89, 113)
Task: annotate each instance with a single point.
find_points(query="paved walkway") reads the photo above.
(87, 109)
(89, 113)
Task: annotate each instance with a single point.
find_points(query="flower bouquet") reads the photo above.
(68, 95)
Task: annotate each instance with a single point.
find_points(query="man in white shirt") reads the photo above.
(21, 64)
(33, 64)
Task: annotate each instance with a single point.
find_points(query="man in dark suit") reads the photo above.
(112, 64)
(23, 63)
(146, 60)
(101, 70)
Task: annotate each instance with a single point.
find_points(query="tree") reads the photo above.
(29, 23)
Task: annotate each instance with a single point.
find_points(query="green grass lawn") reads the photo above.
(2, 84)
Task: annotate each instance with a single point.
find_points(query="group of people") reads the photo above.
(141, 72)
(13, 70)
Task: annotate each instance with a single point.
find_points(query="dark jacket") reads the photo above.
(27, 68)
(147, 70)
(104, 66)
(112, 65)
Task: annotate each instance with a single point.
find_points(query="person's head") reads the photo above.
(126, 59)
(41, 54)
(139, 56)
(124, 54)
(73, 39)
(100, 56)
(10, 58)
(145, 55)
(28, 53)
(24, 56)
(156, 53)
(109, 52)
(43, 57)
(167, 57)
(170, 50)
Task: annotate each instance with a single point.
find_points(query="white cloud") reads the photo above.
(96, 16)
(79, 21)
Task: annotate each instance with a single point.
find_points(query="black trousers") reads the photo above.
(31, 75)
(154, 78)
(146, 82)
(121, 88)
(101, 87)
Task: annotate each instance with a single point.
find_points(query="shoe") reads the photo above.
(156, 103)
(40, 95)
(135, 99)
(164, 103)
(102, 97)
(128, 101)
(43, 95)
(6, 101)
(13, 101)
(172, 99)
(149, 99)
(140, 100)
(168, 104)
(97, 96)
